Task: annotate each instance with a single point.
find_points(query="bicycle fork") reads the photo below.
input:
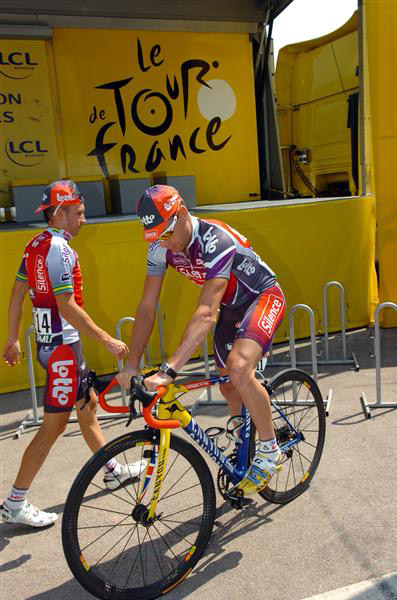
(158, 459)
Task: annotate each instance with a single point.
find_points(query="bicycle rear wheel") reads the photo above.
(110, 548)
(298, 397)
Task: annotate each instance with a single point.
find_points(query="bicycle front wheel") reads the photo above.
(301, 406)
(111, 548)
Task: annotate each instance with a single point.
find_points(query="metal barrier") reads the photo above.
(366, 406)
(327, 361)
(312, 338)
(294, 363)
(32, 419)
(345, 360)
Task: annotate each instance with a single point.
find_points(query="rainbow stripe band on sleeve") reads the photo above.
(61, 289)
(21, 277)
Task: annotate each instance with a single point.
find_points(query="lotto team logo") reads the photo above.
(62, 369)
(63, 385)
(270, 314)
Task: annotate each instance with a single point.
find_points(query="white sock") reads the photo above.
(267, 446)
(15, 498)
(267, 454)
(112, 466)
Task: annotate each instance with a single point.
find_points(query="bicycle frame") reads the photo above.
(171, 414)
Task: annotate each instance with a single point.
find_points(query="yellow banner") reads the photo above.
(113, 260)
(27, 130)
(143, 102)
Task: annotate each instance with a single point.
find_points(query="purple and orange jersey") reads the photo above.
(217, 250)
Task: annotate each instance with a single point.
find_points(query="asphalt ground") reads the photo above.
(336, 541)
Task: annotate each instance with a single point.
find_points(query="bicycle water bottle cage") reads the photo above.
(214, 433)
(233, 426)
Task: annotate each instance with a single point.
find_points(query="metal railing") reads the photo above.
(344, 360)
(366, 406)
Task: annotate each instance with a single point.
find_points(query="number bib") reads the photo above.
(42, 325)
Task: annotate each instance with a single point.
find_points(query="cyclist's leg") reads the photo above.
(57, 407)
(56, 417)
(88, 421)
(226, 329)
(252, 340)
(241, 366)
(54, 424)
(89, 424)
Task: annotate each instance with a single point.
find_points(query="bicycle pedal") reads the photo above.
(236, 498)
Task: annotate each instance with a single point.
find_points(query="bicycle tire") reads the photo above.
(166, 551)
(298, 468)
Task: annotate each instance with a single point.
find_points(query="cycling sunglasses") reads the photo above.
(167, 233)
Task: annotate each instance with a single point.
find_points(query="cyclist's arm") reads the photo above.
(80, 320)
(144, 320)
(200, 324)
(12, 348)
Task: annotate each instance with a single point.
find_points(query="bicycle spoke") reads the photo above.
(180, 492)
(174, 484)
(178, 512)
(110, 549)
(115, 512)
(107, 491)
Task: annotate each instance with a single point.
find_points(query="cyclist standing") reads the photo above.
(50, 271)
(233, 276)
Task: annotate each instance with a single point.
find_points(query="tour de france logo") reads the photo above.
(152, 113)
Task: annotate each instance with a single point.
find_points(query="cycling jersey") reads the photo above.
(51, 267)
(216, 250)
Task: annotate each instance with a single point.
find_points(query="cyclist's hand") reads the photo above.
(116, 347)
(157, 379)
(124, 377)
(11, 353)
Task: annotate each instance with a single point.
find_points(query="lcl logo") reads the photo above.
(14, 58)
(20, 63)
(26, 147)
(27, 153)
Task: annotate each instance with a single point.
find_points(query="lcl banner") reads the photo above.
(138, 102)
(28, 147)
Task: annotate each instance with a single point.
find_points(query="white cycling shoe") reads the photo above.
(28, 515)
(131, 471)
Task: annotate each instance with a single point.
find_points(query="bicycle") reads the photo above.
(143, 539)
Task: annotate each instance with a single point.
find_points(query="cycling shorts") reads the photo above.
(257, 321)
(44, 352)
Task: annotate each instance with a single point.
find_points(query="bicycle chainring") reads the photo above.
(223, 481)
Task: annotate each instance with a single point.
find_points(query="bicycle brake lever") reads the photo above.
(139, 391)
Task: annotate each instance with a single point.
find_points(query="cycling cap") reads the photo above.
(58, 193)
(154, 208)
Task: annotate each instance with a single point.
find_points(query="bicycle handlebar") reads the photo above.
(151, 419)
(138, 391)
(108, 407)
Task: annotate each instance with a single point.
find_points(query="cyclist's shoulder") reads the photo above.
(39, 240)
(156, 251)
(224, 231)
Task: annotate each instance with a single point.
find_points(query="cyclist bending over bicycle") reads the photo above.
(232, 276)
